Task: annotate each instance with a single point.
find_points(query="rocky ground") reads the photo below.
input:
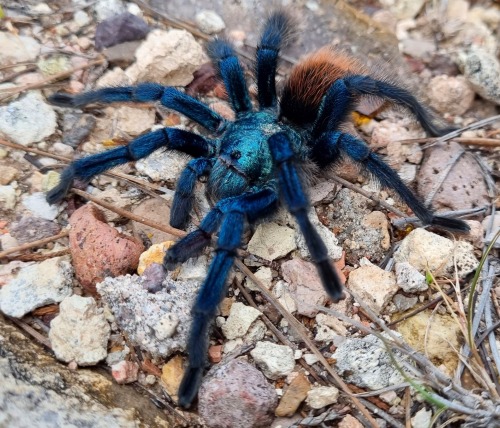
(82, 277)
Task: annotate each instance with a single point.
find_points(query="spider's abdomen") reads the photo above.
(310, 79)
(244, 159)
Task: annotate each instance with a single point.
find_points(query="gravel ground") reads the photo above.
(84, 276)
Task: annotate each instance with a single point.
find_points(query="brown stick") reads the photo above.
(128, 214)
(37, 85)
(33, 244)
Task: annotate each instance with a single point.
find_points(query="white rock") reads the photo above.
(310, 359)
(8, 197)
(264, 274)
(195, 269)
(366, 363)
(282, 291)
(256, 332)
(409, 278)
(422, 419)
(166, 326)
(28, 120)
(163, 165)
(209, 22)
(427, 251)
(374, 285)
(332, 322)
(37, 285)
(39, 206)
(17, 49)
(271, 241)
(275, 361)
(324, 334)
(167, 57)
(322, 396)
(107, 8)
(239, 321)
(327, 236)
(450, 94)
(81, 18)
(80, 332)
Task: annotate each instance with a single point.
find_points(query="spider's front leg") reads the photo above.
(145, 92)
(332, 144)
(231, 212)
(296, 200)
(87, 167)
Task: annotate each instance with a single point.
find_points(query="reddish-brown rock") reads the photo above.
(98, 249)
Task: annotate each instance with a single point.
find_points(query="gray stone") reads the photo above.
(275, 361)
(482, 70)
(148, 318)
(30, 229)
(124, 27)
(209, 22)
(236, 395)
(107, 8)
(76, 128)
(366, 363)
(403, 303)
(80, 332)
(409, 278)
(37, 285)
(28, 120)
(163, 165)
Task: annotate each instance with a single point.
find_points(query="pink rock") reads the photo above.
(450, 94)
(236, 394)
(305, 286)
(99, 250)
(125, 372)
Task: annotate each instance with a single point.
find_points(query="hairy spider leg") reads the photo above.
(89, 166)
(332, 144)
(184, 192)
(229, 68)
(339, 101)
(296, 200)
(275, 35)
(233, 212)
(146, 92)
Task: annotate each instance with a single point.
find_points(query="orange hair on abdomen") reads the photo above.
(310, 79)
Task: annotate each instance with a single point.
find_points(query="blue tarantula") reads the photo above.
(254, 161)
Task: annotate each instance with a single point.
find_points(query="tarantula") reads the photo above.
(254, 161)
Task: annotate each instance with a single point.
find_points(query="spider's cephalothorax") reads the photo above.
(252, 164)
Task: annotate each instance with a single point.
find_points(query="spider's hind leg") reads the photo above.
(339, 101)
(232, 211)
(327, 148)
(87, 167)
